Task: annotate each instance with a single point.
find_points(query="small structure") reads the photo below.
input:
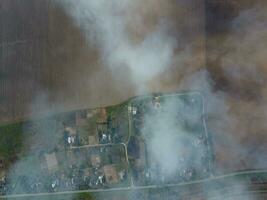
(103, 135)
(71, 140)
(111, 174)
(70, 136)
(122, 174)
(51, 161)
(156, 102)
(95, 160)
(134, 110)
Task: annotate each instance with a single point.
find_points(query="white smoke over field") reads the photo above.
(137, 36)
(245, 58)
(241, 64)
(117, 29)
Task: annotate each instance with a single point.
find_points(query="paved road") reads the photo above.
(144, 187)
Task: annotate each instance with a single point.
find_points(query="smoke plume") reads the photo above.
(136, 37)
(233, 82)
(141, 39)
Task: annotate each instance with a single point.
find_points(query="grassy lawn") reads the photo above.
(11, 141)
(84, 196)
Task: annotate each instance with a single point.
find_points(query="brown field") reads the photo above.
(46, 62)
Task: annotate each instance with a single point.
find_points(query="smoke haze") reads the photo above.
(147, 46)
(145, 49)
(238, 68)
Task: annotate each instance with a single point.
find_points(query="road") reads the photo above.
(215, 178)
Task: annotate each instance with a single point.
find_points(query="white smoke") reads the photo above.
(167, 139)
(106, 26)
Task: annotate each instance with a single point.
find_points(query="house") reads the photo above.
(134, 110)
(122, 174)
(51, 162)
(111, 174)
(70, 136)
(103, 135)
(156, 102)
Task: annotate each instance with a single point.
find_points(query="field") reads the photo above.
(46, 64)
(11, 143)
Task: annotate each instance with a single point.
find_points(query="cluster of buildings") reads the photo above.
(103, 163)
(91, 127)
(96, 155)
(88, 156)
(88, 168)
